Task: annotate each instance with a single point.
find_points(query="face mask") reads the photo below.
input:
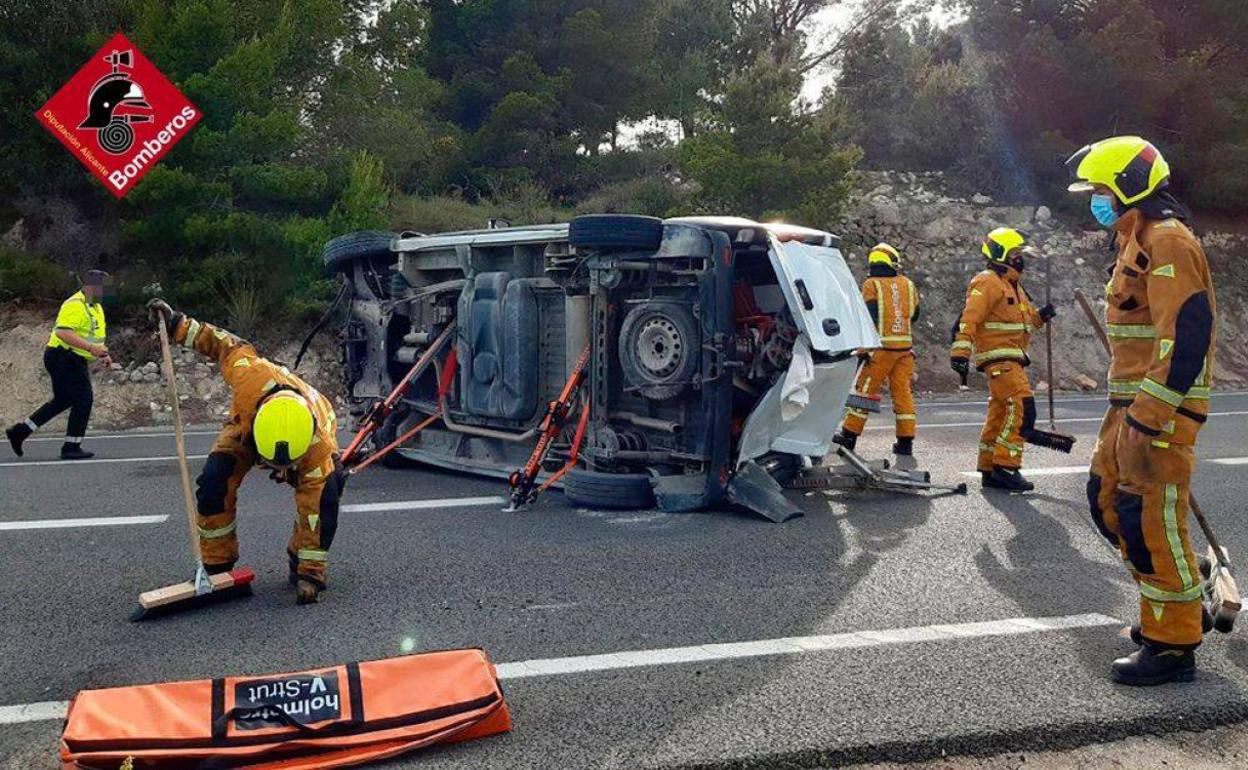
(1103, 210)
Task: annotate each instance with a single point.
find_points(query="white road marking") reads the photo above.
(122, 436)
(1230, 461)
(794, 645)
(418, 505)
(1074, 399)
(33, 712)
(105, 521)
(1060, 470)
(1060, 421)
(97, 461)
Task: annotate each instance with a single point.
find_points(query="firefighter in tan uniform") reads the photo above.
(1160, 316)
(279, 422)
(893, 302)
(993, 332)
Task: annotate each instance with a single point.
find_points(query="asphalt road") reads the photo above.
(951, 586)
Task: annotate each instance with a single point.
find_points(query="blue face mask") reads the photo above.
(1103, 210)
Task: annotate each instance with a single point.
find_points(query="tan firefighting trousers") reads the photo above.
(1138, 493)
(217, 490)
(1009, 402)
(896, 368)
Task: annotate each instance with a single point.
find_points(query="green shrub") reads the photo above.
(26, 276)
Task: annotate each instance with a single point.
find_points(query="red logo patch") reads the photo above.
(118, 115)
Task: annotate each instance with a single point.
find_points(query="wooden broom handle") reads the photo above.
(167, 358)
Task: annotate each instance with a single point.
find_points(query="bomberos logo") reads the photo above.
(118, 115)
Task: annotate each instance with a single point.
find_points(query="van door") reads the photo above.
(824, 297)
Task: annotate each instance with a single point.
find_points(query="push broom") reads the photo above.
(203, 588)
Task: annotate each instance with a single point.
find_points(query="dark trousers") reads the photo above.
(71, 389)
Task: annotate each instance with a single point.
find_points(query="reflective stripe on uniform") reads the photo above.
(312, 554)
(858, 413)
(1124, 387)
(899, 338)
(985, 447)
(1131, 331)
(990, 355)
(192, 332)
(1001, 326)
(212, 534)
(1008, 428)
(1156, 594)
(1161, 392)
(905, 417)
(1172, 534)
(1200, 393)
(963, 345)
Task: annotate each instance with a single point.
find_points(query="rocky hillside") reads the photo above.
(940, 233)
(132, 393)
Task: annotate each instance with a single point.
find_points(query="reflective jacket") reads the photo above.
(997, 321)
(251, 378)
(894, 304)
(1160, 321)
(86, 319)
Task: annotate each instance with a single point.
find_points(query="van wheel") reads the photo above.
(616, 231)
(620, 491)
(338, 253)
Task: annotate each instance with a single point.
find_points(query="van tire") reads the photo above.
(616, 231)
(622, 491)
(338, 253)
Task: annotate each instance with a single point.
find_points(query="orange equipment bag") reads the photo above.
(338, 716)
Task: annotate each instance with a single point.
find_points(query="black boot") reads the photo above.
(1206, 625)
(75, 452)
(1008, 479)
(846, 439)
(17, 434)
(1152, 665)
(904, 447)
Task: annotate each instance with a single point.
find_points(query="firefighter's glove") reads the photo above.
(1048, 313)
(159, 310)
(962, 366)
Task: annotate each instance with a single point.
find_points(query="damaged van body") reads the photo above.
(721, 350)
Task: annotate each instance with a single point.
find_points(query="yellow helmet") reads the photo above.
(1130, 166)
(1002, 243)
(283, 427)
(884, 254)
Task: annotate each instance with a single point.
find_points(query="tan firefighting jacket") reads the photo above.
(896, 301)
(997, 322)
(1160, 315)
(251, 378)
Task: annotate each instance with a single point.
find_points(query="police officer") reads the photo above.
(76, 341)
(1161, 317)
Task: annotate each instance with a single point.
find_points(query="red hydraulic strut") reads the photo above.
(381, 410)
(524, 488)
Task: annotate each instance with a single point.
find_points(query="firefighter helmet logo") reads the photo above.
(118, 115)
(115, 103)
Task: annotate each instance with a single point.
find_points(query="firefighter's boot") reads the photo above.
(904, 447)
(307, 592)
(1006, 479)
(846, 439)
(16, 435)
(1152, 665)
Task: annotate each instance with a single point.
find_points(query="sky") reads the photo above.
(833, 19)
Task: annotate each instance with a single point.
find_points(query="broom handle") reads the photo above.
(167, 358)
(1197, 511)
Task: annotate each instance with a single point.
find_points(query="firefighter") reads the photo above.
(993, 332)
(1160, 321)
(893, 303)
(279, 422)
(77, 339)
